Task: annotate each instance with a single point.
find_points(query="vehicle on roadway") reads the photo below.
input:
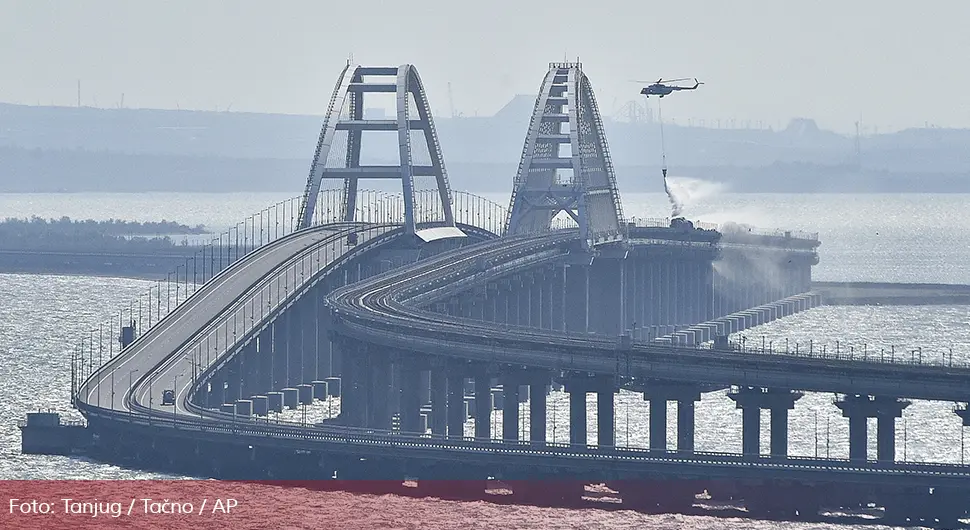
(168, 397)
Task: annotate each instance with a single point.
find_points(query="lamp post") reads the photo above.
(816, 434)
(827, 439)
(175, 389)
(150, 400)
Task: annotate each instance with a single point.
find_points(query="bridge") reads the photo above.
(427, 309)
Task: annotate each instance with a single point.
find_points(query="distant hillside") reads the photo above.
(87, 149)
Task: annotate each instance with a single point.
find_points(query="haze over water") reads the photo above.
(902, 238)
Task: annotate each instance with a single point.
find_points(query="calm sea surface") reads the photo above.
(897, 237)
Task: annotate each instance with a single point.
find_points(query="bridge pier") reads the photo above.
(576, 298)
(556, 293)
(379, 390)
(490, 302)
(537, 410)
(280, 339)
(512, 300)
(483, 402)
(859, 408)
(605, 300)
(439, 399)
(264, 367)
(456, 400)
(540, 299)
(503, 298)
(679, 294)
(658, 393)
(233, 380)
(510, 406)
(353, 385)
(309, 347)
(605, 417)
(294, 343)
(216, 394)
(751, 400)
(324, 350)
(249, 369)
(668, 293)
(577, 386)
(410, 397)
(523, 295)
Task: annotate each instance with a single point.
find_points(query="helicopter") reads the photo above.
(661, 88)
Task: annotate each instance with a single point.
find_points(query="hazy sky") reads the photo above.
(893, 63)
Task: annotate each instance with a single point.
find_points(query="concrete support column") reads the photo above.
(658, 393)
(578, 385)
(858, 408)
(310, 345)
(632, 296)
(605, 414)
(410, 398)
(664, 280)
(364, 389)
(779, 431)
(605, 298)
(537, 412)
(576, 289)
(684, 292)
(347, 384)
(264, 367)
(488, 303)
(577, 416)
(280, 337)
(658, 424)
(685, 425)
(233, 380)
(294, 357)
(751, 431)
(324, 363)
(858, 437)
(483, 405)
(439, 401)
(424, 387)
(216, 395)
(510, 407)
(886, 437)
(751, 400)
(557, 298)
(523, 290)
(380, 391)
(250, 369)
(537, 302)
(652, 280)
(456, 402)
(514, 291)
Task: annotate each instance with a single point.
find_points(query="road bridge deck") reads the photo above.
(378, 311)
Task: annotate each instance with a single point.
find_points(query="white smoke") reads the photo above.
(676, 206)
(685, 191)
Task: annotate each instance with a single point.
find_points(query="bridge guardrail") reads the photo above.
(274, 222)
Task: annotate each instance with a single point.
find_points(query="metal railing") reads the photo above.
(103, 341)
